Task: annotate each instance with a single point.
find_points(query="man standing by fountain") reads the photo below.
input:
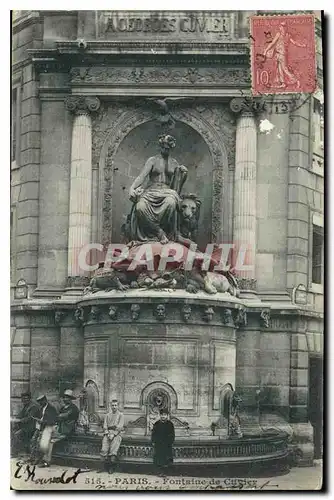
(163, 436)
(113, 427)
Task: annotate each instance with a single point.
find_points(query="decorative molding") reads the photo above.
(281, 324)
(135, 311)
(208, 314)
(79, 315)
(94, 314)
(26, 19)
(113, 312)
(127, 121)
(103, 311)
(240, 319)
(77, 281)
(82, 104)
(247, 106)
(246, 283)
(228, 317)
(217, 206)
(186, 312)
(59, 315)
(265, 318)
(110, 75)
(140, 422)
(275, 446)
(160, 312)
(78, 74)
(229, 48)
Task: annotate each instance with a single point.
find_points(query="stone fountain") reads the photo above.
(159, 332)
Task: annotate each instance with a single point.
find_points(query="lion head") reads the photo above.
(189, 214)
(189, 207)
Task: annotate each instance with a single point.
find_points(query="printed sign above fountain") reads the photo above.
(208, 26)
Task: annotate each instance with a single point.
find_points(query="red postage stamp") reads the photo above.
(283, 58)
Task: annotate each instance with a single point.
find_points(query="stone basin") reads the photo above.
(266, 450)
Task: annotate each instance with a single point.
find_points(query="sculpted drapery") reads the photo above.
(155, 194)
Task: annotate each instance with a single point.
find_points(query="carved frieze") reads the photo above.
(59, 316)
(247, 283)
(265, 318)
(208, 314)
(213, 314)
(79, 315)
(77, 281)
(160, 312)
(281, 324)
(113, 313)
(94, 314)
(266, 445)
(135, 312)
(186, 312)
(164, 75)
(222, 120)
(228, 317)
(108, 113)
(240, 319)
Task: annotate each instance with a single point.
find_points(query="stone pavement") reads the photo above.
(27, 477)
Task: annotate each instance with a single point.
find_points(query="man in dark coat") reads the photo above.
(45, 425)
(68, 414)
(67, 419)
(25, 423)
(163, 436)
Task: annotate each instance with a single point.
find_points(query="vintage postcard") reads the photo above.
(167, 250)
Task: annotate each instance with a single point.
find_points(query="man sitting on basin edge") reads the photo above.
(113, 427)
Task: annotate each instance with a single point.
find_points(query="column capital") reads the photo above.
(82, 104)
(247, 106)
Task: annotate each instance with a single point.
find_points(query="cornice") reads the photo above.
(235, 47)
(54, 60)
(23, 21)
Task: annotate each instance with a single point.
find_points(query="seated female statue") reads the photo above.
(155, 194)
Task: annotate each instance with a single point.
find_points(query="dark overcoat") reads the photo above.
(163, 436)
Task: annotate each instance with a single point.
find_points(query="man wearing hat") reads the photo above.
(67, 419)
(25, 423)
(68, 414)
(45, 425)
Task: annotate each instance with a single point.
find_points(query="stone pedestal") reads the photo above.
(80, 183)
(134, 354)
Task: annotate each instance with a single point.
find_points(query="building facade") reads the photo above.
(87, 88)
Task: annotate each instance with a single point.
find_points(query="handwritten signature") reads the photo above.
(28, 473)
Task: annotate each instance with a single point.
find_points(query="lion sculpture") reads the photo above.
(189, 211)
(192, 281)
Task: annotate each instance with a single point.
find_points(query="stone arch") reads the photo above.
(93, 396)
(225, 400)
(131, 119)
(159, 386)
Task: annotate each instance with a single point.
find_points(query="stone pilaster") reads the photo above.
(80, 181)
(71, 355)
(244, 214)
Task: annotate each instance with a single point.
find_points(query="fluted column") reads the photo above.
(244, 216)
(80, 209)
